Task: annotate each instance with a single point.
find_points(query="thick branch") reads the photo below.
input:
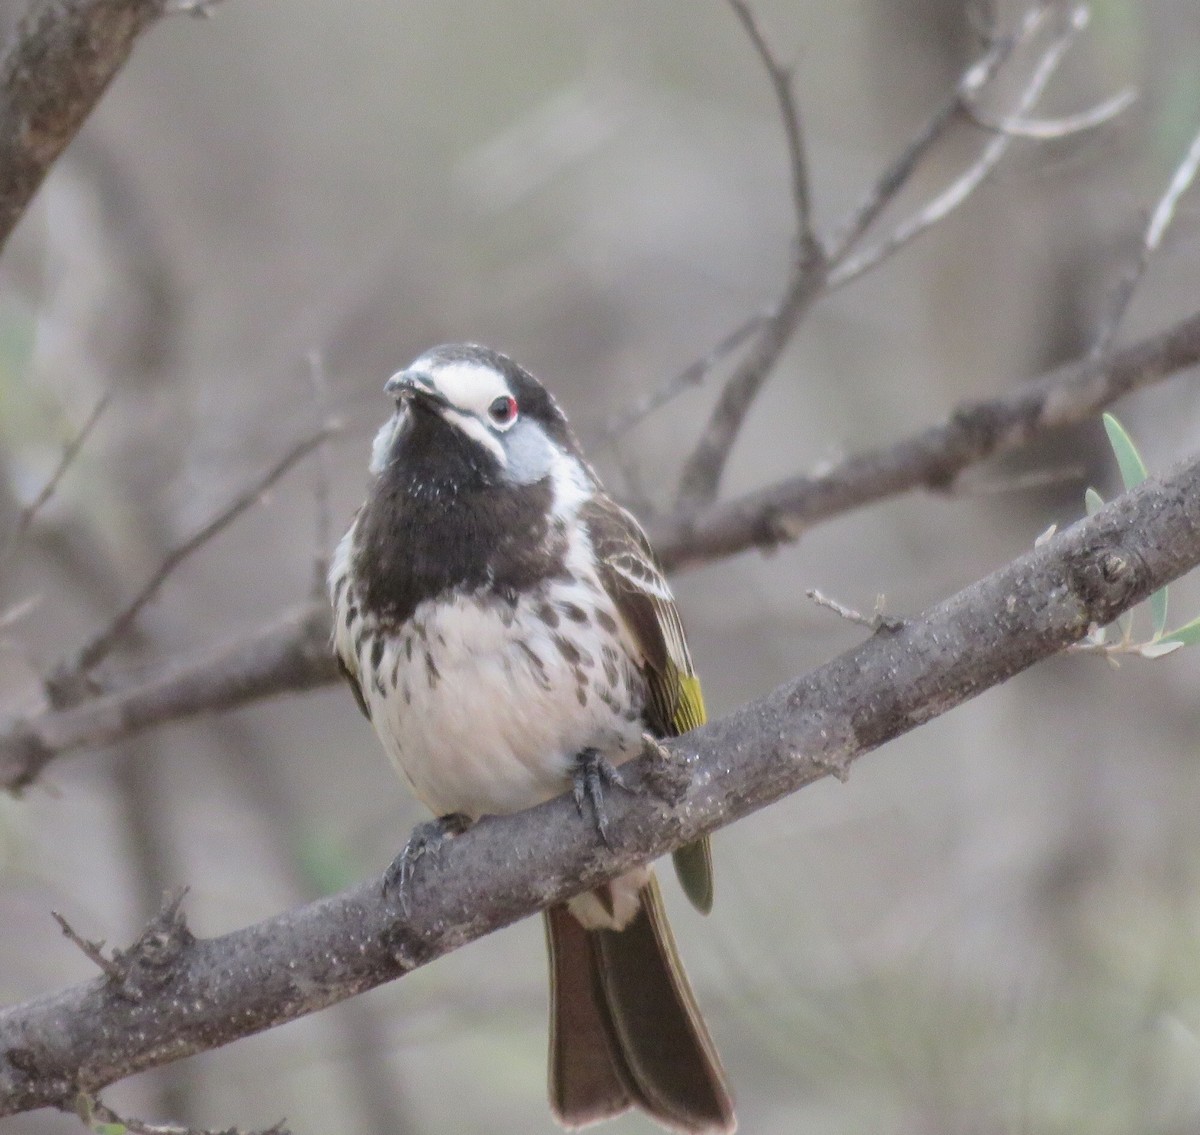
(292, 654)
(186, 995)
(53, 71)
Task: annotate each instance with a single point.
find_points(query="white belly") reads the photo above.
(483, 707)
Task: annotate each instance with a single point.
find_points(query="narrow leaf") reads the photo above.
(1188, 634)
(1133, 468)
(1158, 649)
(1158, 611)
(1093, 502)
(1133, 472)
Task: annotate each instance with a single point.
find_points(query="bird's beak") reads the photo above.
(412, 384)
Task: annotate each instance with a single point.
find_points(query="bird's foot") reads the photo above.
(592, 773)
(426, 839)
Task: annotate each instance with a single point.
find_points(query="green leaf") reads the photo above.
(109, 1128)
(1133, 468)
(1188, 634)
(1093, 502)
(1133, 472)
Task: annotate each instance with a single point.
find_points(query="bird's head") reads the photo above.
(469, 398)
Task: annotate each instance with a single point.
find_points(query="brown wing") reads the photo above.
(630, 573)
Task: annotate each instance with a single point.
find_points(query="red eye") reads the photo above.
(503, 410)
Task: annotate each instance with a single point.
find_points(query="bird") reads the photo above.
(508, 631)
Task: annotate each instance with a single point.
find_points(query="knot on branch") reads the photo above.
(151, 961)
(1106, 578)
(665, 774)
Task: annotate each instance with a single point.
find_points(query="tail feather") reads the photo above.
(626, 1029)
(588, 1080)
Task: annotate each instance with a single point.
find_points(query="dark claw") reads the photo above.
(592, 773)
(426, 839)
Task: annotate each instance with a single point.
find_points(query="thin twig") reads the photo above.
(815, 270)
(91, 1108)
(1049, 129)
(872, 622)
(93, 951)
(701, 476)
(973, 80)
(781, 81)
(968, 182)
(96, 650)
(1160, 220)
(323, 523)
(692, 375)
(70, 453)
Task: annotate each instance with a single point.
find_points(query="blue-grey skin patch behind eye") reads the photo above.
(529, 451)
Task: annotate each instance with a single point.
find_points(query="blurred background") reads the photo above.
(994, 926)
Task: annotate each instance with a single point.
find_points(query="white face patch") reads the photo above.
(476, 431)
(470, 387)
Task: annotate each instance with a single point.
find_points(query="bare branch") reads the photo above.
(212, 991)
(966, 184)
(70, 452)
(817, 270)
(95, 651)
(931, 459)
(1160, 220)
(53, 71)
(293, 653)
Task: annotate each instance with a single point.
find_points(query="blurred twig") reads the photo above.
(201, 993)
(293, 653)
(702, 470)
(952, 197)
(1049, 129)
(323, 523)
(100, 646)
(1160, 220)
(70, 452)
(818, 268)
(91, 1110)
